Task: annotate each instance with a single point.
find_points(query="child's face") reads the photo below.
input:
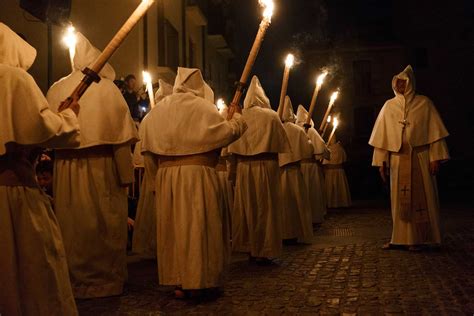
(45, 180)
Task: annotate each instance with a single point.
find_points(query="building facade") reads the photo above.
(173, 33)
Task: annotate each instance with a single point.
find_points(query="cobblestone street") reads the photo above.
(344, 272)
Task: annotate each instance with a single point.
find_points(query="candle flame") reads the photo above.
(220, 104)
(146, 77)
(320, 79)
(329, 119)
(334, 96)
(335, 122)
(70, 39)
(268, 6)
(290, 59)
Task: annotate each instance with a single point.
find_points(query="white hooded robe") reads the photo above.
(338, 193)
(188, 201)
(34, 278)
(257, 212)
(144, 229)
(89, 186)
(297, 216)
(312, 171)
(424, 135)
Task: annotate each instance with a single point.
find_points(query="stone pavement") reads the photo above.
(344, 272)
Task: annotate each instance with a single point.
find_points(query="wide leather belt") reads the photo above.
(90, 152)
(259, 157)
(339, 166)
(207, 159)
(10, 179)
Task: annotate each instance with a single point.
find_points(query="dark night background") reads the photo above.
(364, 43)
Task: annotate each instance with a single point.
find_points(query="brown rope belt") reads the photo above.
(258, 157)
(222, 164)
(295, 164)
(333, 167)
(309, 160)
(207, 159)
(90, 152)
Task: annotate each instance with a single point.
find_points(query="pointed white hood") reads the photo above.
(256, 95)
(104, 117)
(14, 51)
(191, 80)
(265, 131)
(319, 145)
(288, 115)
(301, 147)
(86, 54)
(423, 123)
(188, 122)
(163, 91)
(25, 116)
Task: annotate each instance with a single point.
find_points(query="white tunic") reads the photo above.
(312, 171)
(34, 274)
(89, 184)
(257, 213)
(188, 201)
(411, 119)
(338, 193)
(297, 214)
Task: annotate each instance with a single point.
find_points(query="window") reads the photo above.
(362, 77)
(171, 46)
(192, 54)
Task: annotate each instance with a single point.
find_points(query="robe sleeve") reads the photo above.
(123, 163)
(238, 125)
(380, 156)
(67, 133)
(439, 151)
(151, 167)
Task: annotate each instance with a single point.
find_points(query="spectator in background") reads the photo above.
(131, 96)
(44, 176)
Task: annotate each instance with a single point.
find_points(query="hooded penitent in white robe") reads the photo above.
(144, 229)
(297, 216)
(257, 213)
(312, 170)
(182, 139)
(338, 193)
(89, 183)
(407, 136)
(34, 278)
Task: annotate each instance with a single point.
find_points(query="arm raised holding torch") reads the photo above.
(92, 74)
(319, 83)
(267, 18)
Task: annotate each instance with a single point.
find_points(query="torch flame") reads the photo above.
(321, 77)
(329, 119)
(334, 97)
(335, 122)
(290, 59)
(268, 6)
(146, 77)
(220, 105)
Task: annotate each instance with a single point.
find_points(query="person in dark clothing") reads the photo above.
(131, 96)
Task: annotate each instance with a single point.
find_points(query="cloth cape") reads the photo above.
(25, 116)
(265, 130)
(301, 146)
(424, 123)
(318, 142)
(187, 122)
(104, 116)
